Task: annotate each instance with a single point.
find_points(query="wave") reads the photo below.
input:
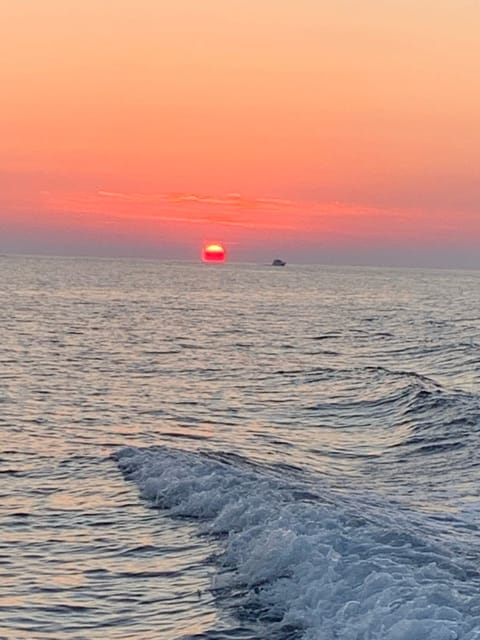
(306, 559)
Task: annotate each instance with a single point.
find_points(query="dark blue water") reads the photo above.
(238, 451)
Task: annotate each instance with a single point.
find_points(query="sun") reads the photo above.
(213, 252)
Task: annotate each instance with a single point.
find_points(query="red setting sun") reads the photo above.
(213, 252)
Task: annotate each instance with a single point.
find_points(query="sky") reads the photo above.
(340, 132)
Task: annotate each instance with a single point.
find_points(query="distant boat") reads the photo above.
(278, 263)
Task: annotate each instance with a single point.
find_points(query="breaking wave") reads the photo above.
(305, 561)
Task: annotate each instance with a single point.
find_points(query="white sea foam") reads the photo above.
(312, 564)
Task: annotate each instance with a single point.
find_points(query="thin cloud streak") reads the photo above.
(315, 220)
(187, 219)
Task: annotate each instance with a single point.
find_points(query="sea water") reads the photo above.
(238, 452)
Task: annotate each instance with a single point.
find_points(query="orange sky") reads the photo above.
(344, 131)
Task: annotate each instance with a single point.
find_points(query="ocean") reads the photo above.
(238, 451)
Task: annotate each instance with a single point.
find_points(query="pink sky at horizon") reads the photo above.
(348, 132)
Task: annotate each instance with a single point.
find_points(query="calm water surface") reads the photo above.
(238, 451)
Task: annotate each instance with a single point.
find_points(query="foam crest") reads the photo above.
(311, 564)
